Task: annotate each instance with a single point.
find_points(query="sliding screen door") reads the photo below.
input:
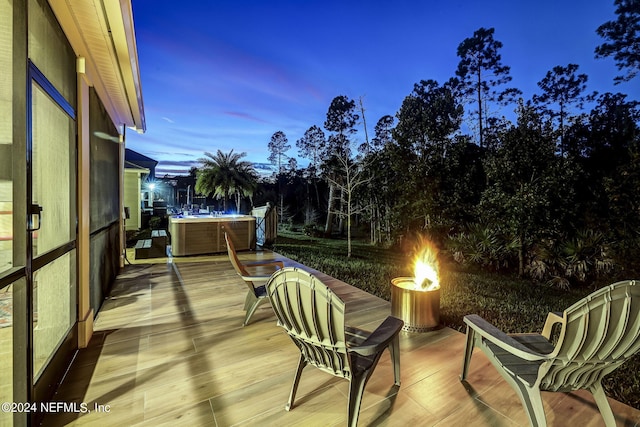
(53, 220)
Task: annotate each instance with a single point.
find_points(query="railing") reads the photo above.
(266, 224)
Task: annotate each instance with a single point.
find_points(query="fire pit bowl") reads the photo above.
(418, 308)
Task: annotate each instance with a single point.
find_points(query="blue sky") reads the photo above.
(227, 74)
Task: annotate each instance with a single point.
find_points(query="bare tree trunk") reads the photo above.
(281, 207)
(308, 209)
(379, 224)
(349, 225)
(364, 122)
(480, 107)
(328, 228)
(372, 225)
(341, 223)
(521, 239)
(561, 131)
(521, 258)
(315, 184)
(387, 225)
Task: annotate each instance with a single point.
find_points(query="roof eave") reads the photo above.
(102, 32)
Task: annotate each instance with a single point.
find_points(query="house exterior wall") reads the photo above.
(57, 262)
(132, 198)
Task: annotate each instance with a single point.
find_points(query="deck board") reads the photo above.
(169, 349)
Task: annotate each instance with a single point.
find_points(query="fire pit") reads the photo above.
(416, 300)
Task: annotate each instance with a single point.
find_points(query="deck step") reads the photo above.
(158, 234)
(158, 244)
(142, 248)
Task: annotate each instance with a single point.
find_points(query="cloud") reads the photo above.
(169, 153)
(167, 119)
(244, 116)
(264, 166)
(181, 163)
(174, 167)
(182, 167)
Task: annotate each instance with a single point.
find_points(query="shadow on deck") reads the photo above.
(169, 349)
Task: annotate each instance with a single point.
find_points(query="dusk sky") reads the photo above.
(228, 74)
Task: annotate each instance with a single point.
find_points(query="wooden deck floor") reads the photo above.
(169, 349)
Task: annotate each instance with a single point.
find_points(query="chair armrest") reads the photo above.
(552, 319)
(380, 338)
(256, 278)
(355, 336)
(262, 277)
(499, 338)
(278, 264)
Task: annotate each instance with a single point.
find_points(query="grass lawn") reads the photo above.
(510, 303)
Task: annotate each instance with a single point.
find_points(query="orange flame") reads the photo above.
(426, 268)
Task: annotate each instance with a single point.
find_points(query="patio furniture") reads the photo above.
(313, 316)
(596, 335)
(256, 295)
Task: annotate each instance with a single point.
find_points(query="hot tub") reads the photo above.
(204, 234)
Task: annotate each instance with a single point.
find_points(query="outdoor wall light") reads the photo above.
(103, 135)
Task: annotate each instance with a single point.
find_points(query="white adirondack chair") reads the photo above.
(313, 316)
(597, 334)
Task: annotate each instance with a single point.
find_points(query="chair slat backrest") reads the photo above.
(233, 257)
(600, 332)
(313, 316)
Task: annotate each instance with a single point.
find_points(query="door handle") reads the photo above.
(35, 212)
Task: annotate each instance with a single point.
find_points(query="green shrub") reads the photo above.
(312, 230)
(558, 262)
(154, 222)
(587, 255)
(580, 259)
(482, 245)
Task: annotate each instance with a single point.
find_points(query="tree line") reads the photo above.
(552, 194)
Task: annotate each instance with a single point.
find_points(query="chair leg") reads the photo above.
(356, 389)
(394, 350)
(249, 300)
(301, 364)
(530, 397)
(252, 307)
(532, 402)
(468, 351)
(603, 404)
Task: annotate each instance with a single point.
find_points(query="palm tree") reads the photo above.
(245, 186)
(224, 174)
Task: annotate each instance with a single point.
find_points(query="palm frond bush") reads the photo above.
(579, 259)
(482, 245)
